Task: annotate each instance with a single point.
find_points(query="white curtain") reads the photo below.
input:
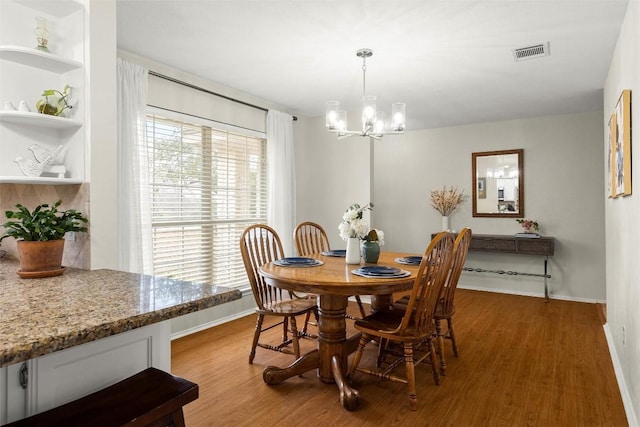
(282, 178)
(134, 204)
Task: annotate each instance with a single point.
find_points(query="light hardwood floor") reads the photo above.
(523, 362)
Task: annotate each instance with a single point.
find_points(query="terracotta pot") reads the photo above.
(40, 256)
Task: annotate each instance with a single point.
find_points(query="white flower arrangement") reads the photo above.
(353, 225)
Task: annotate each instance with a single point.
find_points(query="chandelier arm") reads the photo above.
(347, 135)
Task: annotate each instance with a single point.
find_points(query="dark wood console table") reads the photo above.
(512, 244)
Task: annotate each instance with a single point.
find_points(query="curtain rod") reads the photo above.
(189, 85)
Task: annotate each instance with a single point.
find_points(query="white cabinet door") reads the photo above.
(66, 375)
(69, 374)
(13, 397)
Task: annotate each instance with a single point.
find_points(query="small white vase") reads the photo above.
(353, 251)
(445, 223)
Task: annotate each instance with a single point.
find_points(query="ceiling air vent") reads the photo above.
(531, 52)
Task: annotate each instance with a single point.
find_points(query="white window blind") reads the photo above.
(207, 186)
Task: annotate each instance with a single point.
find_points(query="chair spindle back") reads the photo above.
(259, 245)
(460, 250)
(310, 239)
(432, 273)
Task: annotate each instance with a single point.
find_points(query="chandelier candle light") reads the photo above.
(373, 121)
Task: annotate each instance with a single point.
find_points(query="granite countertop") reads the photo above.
(40, 316)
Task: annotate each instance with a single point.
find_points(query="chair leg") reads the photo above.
(360, 306)
(364, 339)
(411, 375)
(294, 333)
(285, 329)
(452, 336)
(382, 347)
(256, 336)
(306, 322)
(440, 335)
(434, 362)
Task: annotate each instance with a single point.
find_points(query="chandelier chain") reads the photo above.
(364, 76)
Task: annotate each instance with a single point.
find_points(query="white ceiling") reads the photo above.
(450, 61)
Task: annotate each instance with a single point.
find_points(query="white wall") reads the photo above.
(102, 158)
(621, 219)
(563, 166)
(331, 175)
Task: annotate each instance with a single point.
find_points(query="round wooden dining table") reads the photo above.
(334, 282)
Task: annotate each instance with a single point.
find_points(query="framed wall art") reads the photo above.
(611, 148)
(621, 153)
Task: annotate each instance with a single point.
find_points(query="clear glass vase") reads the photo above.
(42, 33)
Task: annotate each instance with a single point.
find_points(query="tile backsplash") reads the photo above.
(76, 252)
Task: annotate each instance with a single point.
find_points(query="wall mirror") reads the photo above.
(498, 178)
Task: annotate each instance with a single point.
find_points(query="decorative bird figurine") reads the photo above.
(42, 153)
(24, 107)
(43, 157)
(29, 167)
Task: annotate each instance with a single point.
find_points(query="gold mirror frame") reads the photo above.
(482, 189)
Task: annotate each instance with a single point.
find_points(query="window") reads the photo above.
(207, 186)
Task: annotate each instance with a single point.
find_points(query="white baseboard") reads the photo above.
(211, 324)
(622, 385)
(531, 294)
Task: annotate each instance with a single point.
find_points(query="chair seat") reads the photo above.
(290, 307)
(402, 303)
(441, 314)
(385, 323)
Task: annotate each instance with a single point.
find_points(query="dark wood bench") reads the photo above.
(149, 398)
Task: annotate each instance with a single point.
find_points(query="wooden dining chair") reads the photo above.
(446, 308)
(310, 238)
(412, 327)
(259, 245)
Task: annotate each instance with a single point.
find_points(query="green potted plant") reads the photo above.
(40, 236)
(55, 106)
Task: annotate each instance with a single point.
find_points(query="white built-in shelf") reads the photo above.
(25, 69)
(38, 180)
(39, 59)
(38, 119)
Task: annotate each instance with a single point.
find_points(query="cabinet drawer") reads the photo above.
(535, 246)
(488, 244)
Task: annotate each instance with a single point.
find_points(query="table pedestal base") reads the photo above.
(331, 357)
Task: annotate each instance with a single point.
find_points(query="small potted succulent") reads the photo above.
(40, 236)
(371, 245)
